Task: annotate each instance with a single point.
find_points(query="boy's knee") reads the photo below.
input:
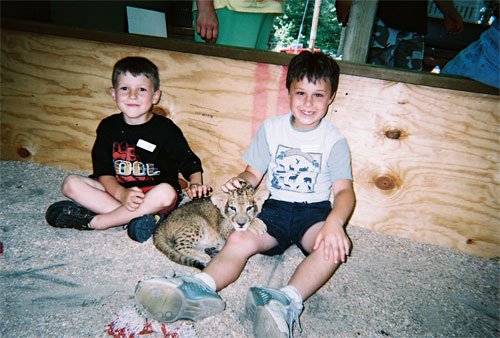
(237, 239)
(167, 194)
(68, 185)
(239, 244)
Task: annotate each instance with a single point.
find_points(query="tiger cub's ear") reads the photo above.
(260, 197)
(219, 200)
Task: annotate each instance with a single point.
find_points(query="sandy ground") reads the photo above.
(68, 283)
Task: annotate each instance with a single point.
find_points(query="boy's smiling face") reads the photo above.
(309, 102)
(135, 96)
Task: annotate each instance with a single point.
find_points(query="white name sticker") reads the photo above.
(146, 145)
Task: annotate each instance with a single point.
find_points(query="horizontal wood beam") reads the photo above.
(245, 54)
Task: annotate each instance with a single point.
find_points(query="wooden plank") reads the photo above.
(425, 160)
(359, 30)
(246, 54)
(438, 181)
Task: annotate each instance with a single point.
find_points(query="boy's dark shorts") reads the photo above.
(287, 222)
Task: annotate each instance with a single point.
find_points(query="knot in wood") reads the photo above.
(385, 183)
(393, 134)
(23, 152)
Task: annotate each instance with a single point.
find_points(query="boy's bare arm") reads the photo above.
(250, 175)
(332, 234)
(196, 187)
(131, 198)
(112, 186)
(343, 203)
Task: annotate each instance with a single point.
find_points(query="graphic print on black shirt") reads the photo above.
(142, 155)
(129, 167)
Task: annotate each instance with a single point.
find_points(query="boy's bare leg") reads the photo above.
(156, 199)
(275, 312)
(90, 194)
(228, 264)
(186, 297)
(310, 275)
(314, 271)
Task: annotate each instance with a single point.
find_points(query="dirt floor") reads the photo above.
(68, 283)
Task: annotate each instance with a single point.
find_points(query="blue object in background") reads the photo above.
(479, 61)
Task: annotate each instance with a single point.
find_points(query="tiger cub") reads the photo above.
(195, 232)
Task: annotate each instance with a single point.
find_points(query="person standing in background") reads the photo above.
(399, 30)
(240, 23)
(481, 59)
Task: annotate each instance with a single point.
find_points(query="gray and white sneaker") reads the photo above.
(272, 312)
(183, 297)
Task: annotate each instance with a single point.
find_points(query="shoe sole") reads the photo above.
(266, 326)
(250, 307)
(164, 301)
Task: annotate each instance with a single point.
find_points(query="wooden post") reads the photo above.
(314, 25)
(359, 30)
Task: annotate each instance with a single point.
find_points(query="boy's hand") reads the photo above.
(232, 184)
(132, 198)
(336, 244)
(198, 190)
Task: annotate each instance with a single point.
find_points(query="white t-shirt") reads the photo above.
(300, 165)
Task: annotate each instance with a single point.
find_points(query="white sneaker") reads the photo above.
(272, 312)
(181, 297)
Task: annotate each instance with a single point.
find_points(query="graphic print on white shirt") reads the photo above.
(295, 170)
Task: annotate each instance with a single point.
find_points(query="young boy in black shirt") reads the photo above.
(137, 157)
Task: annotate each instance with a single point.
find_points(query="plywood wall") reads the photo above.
(425, 160)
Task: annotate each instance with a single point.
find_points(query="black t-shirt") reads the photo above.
(142, 155)
(408, 16)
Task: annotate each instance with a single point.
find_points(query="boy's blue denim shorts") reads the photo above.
(287, 222)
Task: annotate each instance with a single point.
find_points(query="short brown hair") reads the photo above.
(136, 66)
(314, 67)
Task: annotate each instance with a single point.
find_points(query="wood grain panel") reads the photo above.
(425, 160)
(437, 181)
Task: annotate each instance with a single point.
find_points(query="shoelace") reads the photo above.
(79, 212)
(292, 317)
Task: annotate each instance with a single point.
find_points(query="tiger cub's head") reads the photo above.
(240, 206)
